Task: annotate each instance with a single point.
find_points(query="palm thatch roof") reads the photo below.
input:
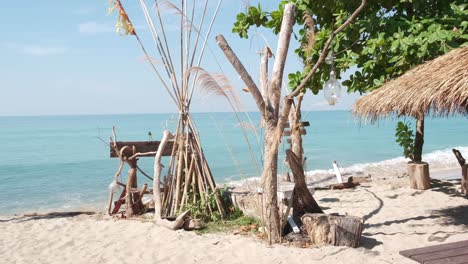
(438, 87)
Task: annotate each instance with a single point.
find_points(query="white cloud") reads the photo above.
(38, 50)
(93, 28)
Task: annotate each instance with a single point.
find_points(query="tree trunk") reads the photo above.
(274, 124)
(419, 139)
(270, 185)
(296, 136)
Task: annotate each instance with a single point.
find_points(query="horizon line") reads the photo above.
(156, 113)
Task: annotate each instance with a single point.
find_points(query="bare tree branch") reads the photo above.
(284, 39)
(231, 56)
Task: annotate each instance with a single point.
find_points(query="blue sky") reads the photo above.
(64, 57)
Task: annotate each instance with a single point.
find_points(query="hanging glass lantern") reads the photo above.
(332, 89)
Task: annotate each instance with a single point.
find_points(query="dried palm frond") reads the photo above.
(214, 83)
(166, 5)
(206, 82)
(123, 21)
(438, 87)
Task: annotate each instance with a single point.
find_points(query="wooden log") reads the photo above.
(333, 230)
(464, 180)
(459, 157)
(140, 146)
(419, 175)
(143, 191)
(359, 179)
(341, 186)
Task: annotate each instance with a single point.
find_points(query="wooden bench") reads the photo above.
(450, 253)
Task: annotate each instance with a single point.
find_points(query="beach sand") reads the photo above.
(396, 218)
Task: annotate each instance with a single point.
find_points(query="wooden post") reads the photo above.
(419, 175)
(131, 183)
(464, 180)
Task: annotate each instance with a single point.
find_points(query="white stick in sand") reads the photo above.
(337, 172)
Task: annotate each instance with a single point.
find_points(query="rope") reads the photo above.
(146, 175)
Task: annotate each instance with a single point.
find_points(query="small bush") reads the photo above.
(405, 138)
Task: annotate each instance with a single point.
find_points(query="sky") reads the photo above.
(65, 58)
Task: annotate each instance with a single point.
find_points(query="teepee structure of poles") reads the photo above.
(189, 180)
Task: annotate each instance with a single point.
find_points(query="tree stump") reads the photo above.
(419, 175)
(333, 230)
(464, 181)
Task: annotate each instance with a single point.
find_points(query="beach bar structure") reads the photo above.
(436, 88)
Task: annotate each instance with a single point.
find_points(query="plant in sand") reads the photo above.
(405, 138)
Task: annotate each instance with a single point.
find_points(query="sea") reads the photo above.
(57, 163)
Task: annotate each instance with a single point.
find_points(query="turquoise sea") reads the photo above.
(61, 162)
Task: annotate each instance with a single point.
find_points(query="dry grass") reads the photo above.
(438, 87)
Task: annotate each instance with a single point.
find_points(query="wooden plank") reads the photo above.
(141, 146)
(462, 259)
(422, 250)
(418, 253)
(442, 255)
(287, 133)
(301, 124)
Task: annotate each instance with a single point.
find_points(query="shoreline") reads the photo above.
(251, 184)
(315, 180)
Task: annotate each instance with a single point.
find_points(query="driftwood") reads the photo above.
(341, 186)
(333, 230)
(302, 201)
(180, 220)
(133, 202)
(459, 157)
(352, 182)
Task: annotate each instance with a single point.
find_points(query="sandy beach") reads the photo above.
(396, 218)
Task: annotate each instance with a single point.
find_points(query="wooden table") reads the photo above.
(450, 253)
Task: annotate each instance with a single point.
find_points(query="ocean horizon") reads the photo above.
(61, 162)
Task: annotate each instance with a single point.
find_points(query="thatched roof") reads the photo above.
(438, 87)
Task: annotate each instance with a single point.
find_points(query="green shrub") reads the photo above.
(405, 138)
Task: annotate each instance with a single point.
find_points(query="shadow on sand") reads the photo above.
(53, 215)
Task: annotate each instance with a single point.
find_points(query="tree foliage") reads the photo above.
(405, 138)
(387, 38)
